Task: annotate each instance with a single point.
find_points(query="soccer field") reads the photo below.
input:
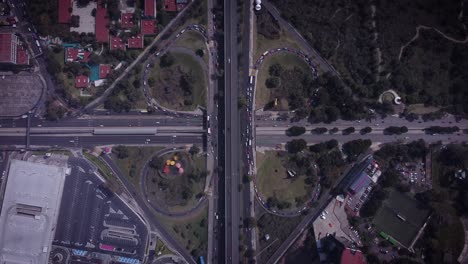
(404, 231)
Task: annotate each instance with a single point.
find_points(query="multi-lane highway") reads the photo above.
(88, 141)
(232, 148)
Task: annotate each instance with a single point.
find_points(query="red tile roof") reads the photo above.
(102, 21)
(64, 15)
(127, 20)
(11, 50)
(352, 257)
(75, 54)
(104, 70)
(22, 56)
(6, 47)
(148, 27)
(116, 43)
(135, 42)
(81, 81)
(170, 5)
(150, 8)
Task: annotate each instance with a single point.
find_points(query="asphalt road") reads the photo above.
(321, 62)
(232, 134)
(148, 212)
(8, 142)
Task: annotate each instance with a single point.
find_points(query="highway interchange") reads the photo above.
(236, 124)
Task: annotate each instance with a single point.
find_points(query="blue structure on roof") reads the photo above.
(78, 252)
(71, 45)
(202, 260)
(128, 260)
(94, 76)
(363, 181)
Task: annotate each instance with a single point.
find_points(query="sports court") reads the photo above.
(401, 217)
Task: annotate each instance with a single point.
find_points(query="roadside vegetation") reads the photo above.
(176, 180)
(177, 81)
(132, 159)
(320, 163)
(369, 44)
(192, 231)
(284, 78)
(278, 229)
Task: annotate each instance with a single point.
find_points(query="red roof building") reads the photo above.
(170, 5)
(102, 23)
(116, 43)
(350, 256)
(148, 27)
(22, 56)
(64, 14)
(150, 8)
(81, 81)
(135, 42)
(104, 71)
(11, 50)
(76, 54)
(126, 20)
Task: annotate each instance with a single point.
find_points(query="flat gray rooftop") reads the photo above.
(29, 213)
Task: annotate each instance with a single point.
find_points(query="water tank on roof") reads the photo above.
(258, 2)
(258, 7)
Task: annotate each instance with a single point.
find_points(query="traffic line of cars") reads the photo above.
(290, 50)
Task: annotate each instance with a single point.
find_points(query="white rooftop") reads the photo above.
(29, 212)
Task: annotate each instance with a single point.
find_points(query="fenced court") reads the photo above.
(400, 217)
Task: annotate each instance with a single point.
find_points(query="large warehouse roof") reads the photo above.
(29, 212)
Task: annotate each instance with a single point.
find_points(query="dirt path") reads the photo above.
(378, 53)
(418, 28)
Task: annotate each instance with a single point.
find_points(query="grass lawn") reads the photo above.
(167, 90)
(386, 219)
(263, 44)
(451, 235)
(191, 232)
(103, 168)
(264, 95)
(194, 41)
(133, 164)
(272, 179)
(167, 190)
(161, 247)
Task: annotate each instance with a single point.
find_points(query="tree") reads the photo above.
(151, 81)
(366, 130)
(250, 222)
(272, 82)
(194, 150)
(156, 163)
(121, 151)
(167, 60)
(296, 145)
(199, 52)
(319, 130)
(295, 131)
(334, 130)
(390, 178)
(275, 70)
(349, 130)
(241, 102)
(356, 147)
(391, 130)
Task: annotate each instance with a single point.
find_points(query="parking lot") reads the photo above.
(355, 202)
(19, 93)
(93, 219)
(414, 173)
